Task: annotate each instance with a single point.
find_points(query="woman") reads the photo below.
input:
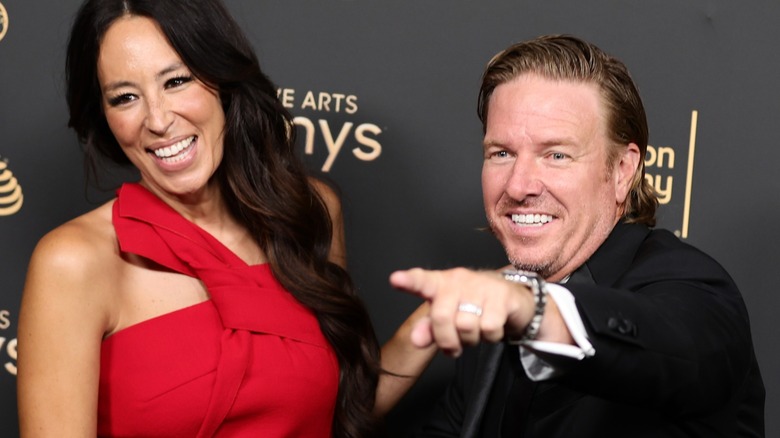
(210, 298)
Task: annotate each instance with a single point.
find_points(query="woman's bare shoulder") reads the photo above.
(78, 243)
(78, 249)
(338, 250)
(328, 194)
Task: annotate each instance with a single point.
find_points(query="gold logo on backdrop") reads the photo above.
(11, 198)
(660, 159)
(363, 140)
(3, 21)
(8, 344)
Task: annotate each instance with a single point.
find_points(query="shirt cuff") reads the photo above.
(539, 368)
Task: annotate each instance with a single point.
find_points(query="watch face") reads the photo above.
(519, 276)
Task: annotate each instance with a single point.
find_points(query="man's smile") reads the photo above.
(535, 220)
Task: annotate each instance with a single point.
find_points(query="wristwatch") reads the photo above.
(537, 285)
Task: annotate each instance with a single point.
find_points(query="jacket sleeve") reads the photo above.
(671, 333)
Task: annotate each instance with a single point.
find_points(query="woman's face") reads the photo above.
(169, 124)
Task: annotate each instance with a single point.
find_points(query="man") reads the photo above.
(623, 331)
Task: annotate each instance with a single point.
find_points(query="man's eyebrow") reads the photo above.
(549, 142)
(492, 142)
(558, 141)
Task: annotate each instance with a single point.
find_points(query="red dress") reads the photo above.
(250, 362)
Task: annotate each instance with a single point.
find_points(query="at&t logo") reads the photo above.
(3, 21)
(11, 198)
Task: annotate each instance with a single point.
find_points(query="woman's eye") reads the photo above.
(177, 81)
(121, 99)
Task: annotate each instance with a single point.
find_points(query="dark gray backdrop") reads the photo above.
(409, 163)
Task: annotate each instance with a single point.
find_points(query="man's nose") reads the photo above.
(525, 179)
(158, 116)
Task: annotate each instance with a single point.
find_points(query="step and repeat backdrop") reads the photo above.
(384, 95)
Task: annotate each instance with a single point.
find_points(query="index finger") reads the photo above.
(417, 281)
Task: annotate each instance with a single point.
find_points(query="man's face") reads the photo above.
(549, 196)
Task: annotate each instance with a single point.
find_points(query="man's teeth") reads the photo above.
(175, 149)
(531, 219)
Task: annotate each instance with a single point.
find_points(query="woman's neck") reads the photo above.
(205, 207)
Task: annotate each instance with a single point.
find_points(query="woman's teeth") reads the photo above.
(173, 153)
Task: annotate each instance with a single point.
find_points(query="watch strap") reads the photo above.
(537, 286)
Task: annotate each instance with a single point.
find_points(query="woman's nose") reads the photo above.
(158, 117)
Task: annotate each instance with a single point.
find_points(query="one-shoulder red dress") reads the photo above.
(249, 362)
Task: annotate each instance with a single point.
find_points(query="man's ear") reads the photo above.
(625, 169)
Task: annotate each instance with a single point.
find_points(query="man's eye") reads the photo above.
(557, 156)
(500, 154)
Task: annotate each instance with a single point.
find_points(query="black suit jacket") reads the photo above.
(674, 355)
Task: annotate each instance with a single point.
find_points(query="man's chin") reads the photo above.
(529, 263)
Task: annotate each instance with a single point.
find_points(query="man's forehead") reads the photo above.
(543, 92)
(546, 111)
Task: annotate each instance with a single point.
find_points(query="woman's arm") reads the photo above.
(402, 363)
(61, 325)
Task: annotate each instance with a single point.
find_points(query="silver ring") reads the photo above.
(470, 308)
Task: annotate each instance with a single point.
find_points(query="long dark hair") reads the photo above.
(260, 176)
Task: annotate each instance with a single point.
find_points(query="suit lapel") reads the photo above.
(615, 255)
